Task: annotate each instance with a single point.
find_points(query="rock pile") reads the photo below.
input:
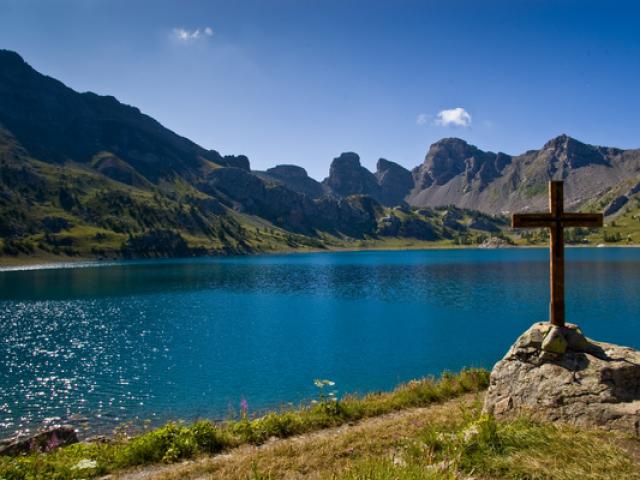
(558, 374)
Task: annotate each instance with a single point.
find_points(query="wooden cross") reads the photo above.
(556, 220)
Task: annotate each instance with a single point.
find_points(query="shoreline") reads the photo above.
(17, 264)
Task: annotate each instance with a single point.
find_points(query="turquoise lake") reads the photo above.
(97, 345)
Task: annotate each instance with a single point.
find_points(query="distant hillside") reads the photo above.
(56, 124)
(84, 175)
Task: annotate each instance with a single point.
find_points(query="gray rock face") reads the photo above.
(451, 157)
(395, 182)
(558, 374)
(456, 173)
(296, 179)
(348, 177)
(389, 185)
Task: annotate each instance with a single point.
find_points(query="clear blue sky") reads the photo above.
(295, 81)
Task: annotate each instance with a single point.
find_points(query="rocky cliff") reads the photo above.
(348, 177)
(294, 178)
(460, 174)
(395, 182)
(457, 173)
(389, 185)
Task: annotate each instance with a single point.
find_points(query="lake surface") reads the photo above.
(101, 344)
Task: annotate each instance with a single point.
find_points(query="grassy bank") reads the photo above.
(175, 442)
(476, 446)
(425, 429)
(444, 441)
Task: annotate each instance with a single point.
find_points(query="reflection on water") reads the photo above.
(183, 339)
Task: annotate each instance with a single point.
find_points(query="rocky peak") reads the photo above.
(237, 161)
(562, 142)
(451, 157)
(16, 75)
(572, 153)
(346, 160)
(385, 168)
(444, 160)
(395, 182)
(452, 144)
(385, 165)
(296, 179)
(287, 171)
(348, 177)
(11, 58)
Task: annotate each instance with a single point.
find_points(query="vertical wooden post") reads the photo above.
(556, 306)
(556, 220)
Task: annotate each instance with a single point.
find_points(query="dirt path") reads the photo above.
(315, 455)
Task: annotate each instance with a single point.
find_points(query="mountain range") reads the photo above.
(83, 174)
(456, 173)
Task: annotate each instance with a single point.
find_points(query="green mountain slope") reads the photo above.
(82, 175)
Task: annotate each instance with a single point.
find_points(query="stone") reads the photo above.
(44, 441)
(554, 342)
(591, 384)
(575, 338)
(503, 406)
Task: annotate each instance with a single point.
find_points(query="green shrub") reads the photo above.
(173, 442)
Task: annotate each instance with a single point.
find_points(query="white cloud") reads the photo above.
(454, 117)
(184, 35)
(422, 119)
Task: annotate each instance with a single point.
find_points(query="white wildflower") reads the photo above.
(85, 464)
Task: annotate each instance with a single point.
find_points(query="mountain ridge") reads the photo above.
(82, 173)
(452, 172)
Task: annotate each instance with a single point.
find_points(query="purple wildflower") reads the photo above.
(53, 442)
(244, 406)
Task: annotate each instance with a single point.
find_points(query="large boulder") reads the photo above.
(557, 374)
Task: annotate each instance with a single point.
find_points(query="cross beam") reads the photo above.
(556, 220)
